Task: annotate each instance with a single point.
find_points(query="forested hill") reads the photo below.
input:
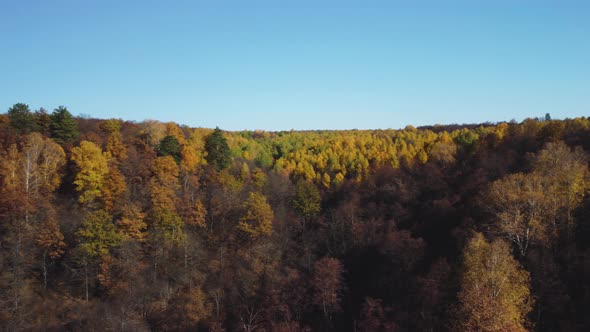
(110, 225)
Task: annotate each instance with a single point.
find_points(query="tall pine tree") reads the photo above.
(218, 153)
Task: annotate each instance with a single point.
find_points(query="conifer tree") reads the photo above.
(64, 128)
(218, 153)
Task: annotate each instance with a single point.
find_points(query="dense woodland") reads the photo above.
(111, 225)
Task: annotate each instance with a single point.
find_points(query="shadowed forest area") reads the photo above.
(111, 225)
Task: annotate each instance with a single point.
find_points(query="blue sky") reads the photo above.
(280, 65)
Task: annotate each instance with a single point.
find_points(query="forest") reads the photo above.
(113, 225)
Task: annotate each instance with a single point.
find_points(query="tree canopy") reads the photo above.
(159, 226)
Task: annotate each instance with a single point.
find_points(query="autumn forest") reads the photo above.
(113, 225)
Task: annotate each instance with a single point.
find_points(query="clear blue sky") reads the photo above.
(298, 64)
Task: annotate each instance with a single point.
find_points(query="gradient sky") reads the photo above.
(280, 65)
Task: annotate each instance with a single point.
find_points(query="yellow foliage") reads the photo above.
(523, 211)
(92, 167)
(258, 216)
(10, 169)
(172, 129)
(245, 172)
(116, 148)
(164, 183)
(326, 181)
(258, 179)
(495, 294)
(422, 157)
(338, 179)
(165, 170)
(190, 159)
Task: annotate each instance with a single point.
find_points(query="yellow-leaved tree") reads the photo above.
(164, 185)
(522, 210)
(567, 171)
(114, 145)
(495, 293)
(536, 207)
(92, 167)
(258, 216)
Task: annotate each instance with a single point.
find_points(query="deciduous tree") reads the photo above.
(327, 285)
(522, 210)
(567, 172)
(98, 234)
(51, 242)
(307, 199)
(92, 167)
(495, 293)
(163, 187)
(257, 218)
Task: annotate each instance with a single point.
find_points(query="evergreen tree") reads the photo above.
(22, 119)
(64, 128)
(169, 146)
(43, 121)
(218, 153)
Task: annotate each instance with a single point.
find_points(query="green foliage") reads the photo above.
(169, 225)
(98, 234)
(64, 128)
(218, 152)
(264, 158)
(21, 119)
(169, 146)
(466, 139)
(307, 199)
